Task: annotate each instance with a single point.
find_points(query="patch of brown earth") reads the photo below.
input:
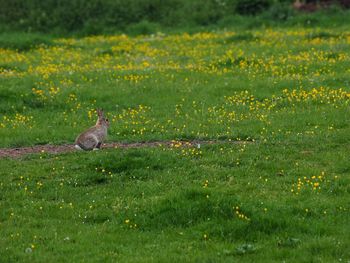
(55, 149)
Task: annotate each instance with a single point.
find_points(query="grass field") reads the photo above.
(274, 188)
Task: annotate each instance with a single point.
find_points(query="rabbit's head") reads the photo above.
(102, 121)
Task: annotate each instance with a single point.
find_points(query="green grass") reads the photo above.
(279, 194)
(23, 41)
(152, 204)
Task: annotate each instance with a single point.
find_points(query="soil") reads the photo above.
(55, 149)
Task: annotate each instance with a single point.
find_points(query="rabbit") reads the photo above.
(92, 138)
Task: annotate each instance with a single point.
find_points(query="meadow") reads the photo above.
(274, 187)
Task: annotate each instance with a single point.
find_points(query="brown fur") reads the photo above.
(93, 137)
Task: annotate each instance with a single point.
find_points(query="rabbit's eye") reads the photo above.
(107, 120)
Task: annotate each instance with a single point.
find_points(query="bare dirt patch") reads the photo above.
(55, 149)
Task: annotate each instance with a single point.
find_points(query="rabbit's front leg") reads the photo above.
(98, 146)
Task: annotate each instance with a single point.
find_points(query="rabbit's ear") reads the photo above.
(99, 113)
